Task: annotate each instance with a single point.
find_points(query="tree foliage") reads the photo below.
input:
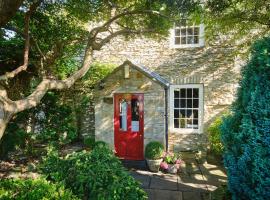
(242, 22)
(246, 133)
(60, 38)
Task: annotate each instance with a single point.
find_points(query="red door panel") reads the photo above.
(128, 126)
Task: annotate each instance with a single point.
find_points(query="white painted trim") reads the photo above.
(181, 46)
(171, 109)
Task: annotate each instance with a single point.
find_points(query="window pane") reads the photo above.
(190, 31)
(177, 40)
(182, 113)
(195, 103)
(189, 113)
(135, 115)
(195, 124)
(189, 103)
(189, 123)
(176, 113)
(177, 32)
(123, 115)
(176, 94)
(196, 31)
(195, 93)
(195, 121)
(183, 103)
(195, 114)
(176, 123)
(182, 123)
(189, 93)
(190, 40)
(183, 93)
(196, 39)
(176, 103)
(135, 109)
(183, 32)
(187, 99)
(183, 40)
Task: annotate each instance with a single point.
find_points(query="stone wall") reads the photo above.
(154, 105)
(213, 65)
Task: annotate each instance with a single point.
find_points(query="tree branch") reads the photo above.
(23, 67)
(95, 31)
(48, 84)
(99, 45)
(8, 9)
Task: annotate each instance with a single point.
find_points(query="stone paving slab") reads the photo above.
(154, 194)
(163, 184)
(194, 182)
(192, 195)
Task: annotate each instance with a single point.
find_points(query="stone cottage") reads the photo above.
(168, 90)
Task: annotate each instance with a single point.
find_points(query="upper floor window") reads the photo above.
(186, 108)
(185, 35)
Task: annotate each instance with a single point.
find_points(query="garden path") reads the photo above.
(196, 181)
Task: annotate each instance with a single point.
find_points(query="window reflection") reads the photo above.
(135, 115)
(123, 115)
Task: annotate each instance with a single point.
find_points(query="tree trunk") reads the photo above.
(3, 125)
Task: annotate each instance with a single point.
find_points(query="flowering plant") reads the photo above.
(171, 160)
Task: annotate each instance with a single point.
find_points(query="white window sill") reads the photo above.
(185, 131)
(186, 46)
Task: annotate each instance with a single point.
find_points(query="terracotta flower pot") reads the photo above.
(154, 164)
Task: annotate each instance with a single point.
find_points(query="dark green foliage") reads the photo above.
(246, 133)
(214, 132)
(30, 189)
(154, 150)
(93, 175)
(89, 142)
(221, 193)
(12, 139)
(100, 144)
(55, 119)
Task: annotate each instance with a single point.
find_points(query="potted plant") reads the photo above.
(153, 154)
(171, 163)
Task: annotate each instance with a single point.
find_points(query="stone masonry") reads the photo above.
(154, 105)
(213, 65)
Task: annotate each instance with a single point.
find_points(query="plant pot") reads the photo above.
(154, 165)
(173, 168)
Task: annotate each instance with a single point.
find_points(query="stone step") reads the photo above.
(135, 164)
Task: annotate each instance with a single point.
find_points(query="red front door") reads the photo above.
(128, 126)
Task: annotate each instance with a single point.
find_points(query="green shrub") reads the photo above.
(93, 175)
(214, 132)
(246, 132)
(89, 142)
(100, 144)
(154, 150)
(29, 189)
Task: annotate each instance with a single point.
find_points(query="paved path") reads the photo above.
(193, 183)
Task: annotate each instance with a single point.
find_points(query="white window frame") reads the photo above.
(171, 109)
(201, 38)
